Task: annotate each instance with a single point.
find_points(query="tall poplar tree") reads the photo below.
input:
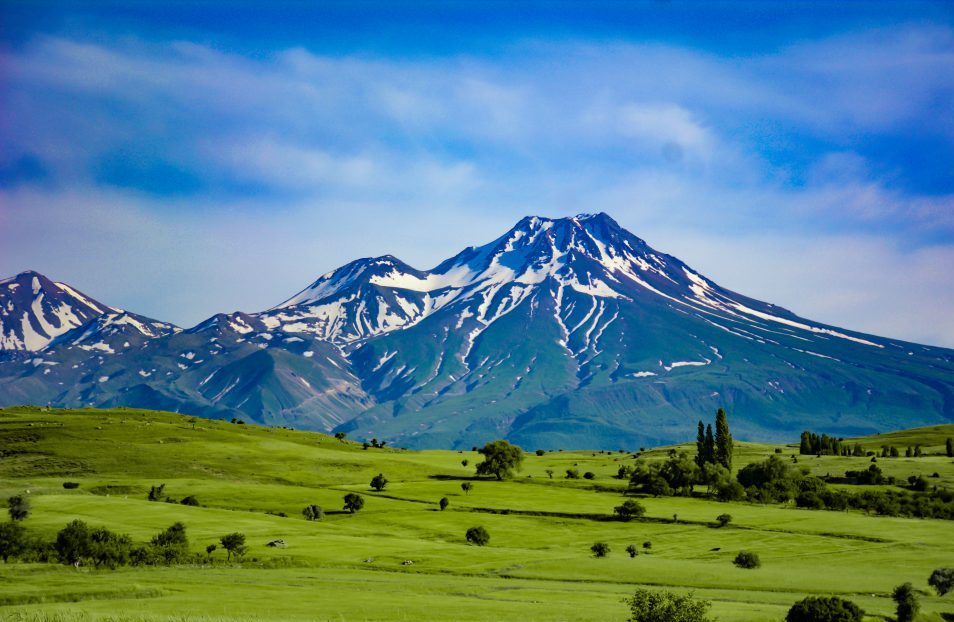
(723, 441)
(701, 445)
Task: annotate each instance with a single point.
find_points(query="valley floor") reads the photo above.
(537, 566)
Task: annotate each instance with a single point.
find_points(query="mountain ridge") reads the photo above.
(559, 331)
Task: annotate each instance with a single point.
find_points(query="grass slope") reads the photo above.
(349, 567)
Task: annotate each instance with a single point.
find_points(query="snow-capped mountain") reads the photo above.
(566, 332)
(34, 310)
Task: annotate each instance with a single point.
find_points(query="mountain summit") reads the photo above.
(568, 332)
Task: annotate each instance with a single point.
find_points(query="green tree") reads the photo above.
(701, 457)
(907, 602)
(723, 519)
(632, 549)
(73, 543)
(600, 549)
(234, 544)
(549, 473)
(170, 545)
(19, 507)
(313, 512)
(949, 447)
(710, 445)
(12, 540)
(723, 440)
(478, 536)
(108, 549)
(156, 492)
(942, 580)
(353, 502)
(629, 510)
(341, 436)
(378, 482)
(664, 606)
(824, 609)
(501, 459)
(444, 502)
(747, 559)
(573, 474)
(466, 487)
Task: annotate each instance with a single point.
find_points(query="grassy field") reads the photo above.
(537, 565)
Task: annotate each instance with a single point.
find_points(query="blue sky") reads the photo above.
(219, 156)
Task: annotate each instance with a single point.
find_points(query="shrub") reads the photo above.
(313, 512)
(168, 546)
(589, 475)
(824, 609)
(19, 507)
(600, 549)
(353, 502)
(12, 540)
(70, 485)
(378, 482)
(540, 452)
(466, 487)
(108, 549)
(341, 436)
(747, 559)
(190, 500)
(664, 606)
(73, 543)
(723, 519)
(572, 474)
(234, 544)
(632, 549)
(464, 462)
(629, 510)
(907, 602)
(501, 459)
(444, 502)
(647, 545)
(478, 536)
(549, 473)
(942, 580)
(810, 500)
(156, 492)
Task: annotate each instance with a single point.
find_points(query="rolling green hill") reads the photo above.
(537, 566)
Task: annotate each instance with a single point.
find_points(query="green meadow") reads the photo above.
(537, 565)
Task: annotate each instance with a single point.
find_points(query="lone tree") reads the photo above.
(313, 512)
(156, 492)
(341, 436)
(723, 519)
(12, 540)
(378, 482)
(633, 550)
(478, 536)
(466, 487)
(444, 502)
(665, 606)
(723, 441)
(501, 459)
(353, 502)
(747, 559)
(949, 447)
(629, 510)
(234, 544)
(907, 602)
(942, 580)
(600, 549)
(824, 609)
(19, 507)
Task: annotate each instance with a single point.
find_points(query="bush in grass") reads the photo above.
(70, 485)
(664, 606)
(341, 436)
(633, 550)
(600, 549)
(809, 500)
(942, 580)
(501, 459)
(156, 492)
(629, 510)
(464, 462)
(19, 507)
(549, 473)
(210, 549)
(313, 512)
(190, 500)
(73, 543)
(234, 544)
(466, 487)
(572, 474)
(12, 540)
(589, 475)
(353, 502)
(378, 482)
(907, 602)
(824, 609)
(169, 546)
(647, 545)
(747, 559)
(723, 519)
(540, 452)
(108, 549)
(478, 536)
(444, 502)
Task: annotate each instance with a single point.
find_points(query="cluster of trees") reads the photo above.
(714, 448)
(824, 445)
